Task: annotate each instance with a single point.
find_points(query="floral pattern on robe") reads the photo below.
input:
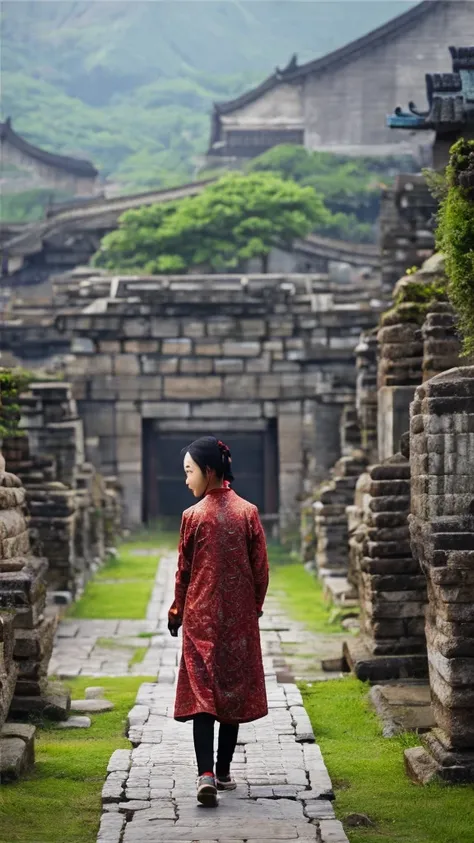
(221, 583)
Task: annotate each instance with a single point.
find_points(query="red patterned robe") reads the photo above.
(221, 582)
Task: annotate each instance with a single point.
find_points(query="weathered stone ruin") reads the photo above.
(366, 392)
(407, 221)
(442, 534)
(27, 633)
(392, 590)
(74, 517)
(441, 345)
(156, 361)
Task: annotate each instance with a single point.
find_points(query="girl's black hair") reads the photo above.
(209, 452)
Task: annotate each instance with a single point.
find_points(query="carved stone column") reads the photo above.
(442, 535)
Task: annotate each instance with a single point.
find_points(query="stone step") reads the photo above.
(17, 750)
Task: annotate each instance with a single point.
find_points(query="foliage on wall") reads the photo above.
(455, 236)
(12, 383)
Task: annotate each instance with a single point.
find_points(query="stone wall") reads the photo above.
(26, 633)
(73, 514)
(218, 352)
(407, 218)
(442, 533)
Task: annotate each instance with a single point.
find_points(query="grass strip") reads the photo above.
(369, 777)
(60, 800)
(301, 595)
(121, 590)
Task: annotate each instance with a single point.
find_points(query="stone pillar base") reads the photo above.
(371, 668)
(434, 762)
(54, 703)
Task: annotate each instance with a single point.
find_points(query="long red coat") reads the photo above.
(221, 582)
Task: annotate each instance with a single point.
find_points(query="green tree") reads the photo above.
(237, 218)
(351, 186)
(455, 236)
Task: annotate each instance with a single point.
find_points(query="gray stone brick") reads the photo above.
(229, 366)
(178, 346)
(232, 348)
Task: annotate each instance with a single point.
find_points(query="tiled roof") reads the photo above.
(450, 98)
(293, 71)
(76, 166)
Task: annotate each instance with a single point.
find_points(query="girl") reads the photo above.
(221, 582)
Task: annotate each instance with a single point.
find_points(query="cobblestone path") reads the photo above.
(284, 792)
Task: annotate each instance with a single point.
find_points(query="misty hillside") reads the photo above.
(130, 84)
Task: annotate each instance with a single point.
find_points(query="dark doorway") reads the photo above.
(254, 458)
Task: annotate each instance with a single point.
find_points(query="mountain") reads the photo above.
(130, 84)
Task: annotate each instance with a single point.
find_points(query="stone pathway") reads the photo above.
(105, 647)
(284, 792)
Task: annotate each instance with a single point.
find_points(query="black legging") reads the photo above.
(203, 731)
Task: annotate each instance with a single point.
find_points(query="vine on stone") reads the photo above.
(455, 236)
(12, 383)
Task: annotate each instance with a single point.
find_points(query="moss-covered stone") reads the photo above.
(455, 236)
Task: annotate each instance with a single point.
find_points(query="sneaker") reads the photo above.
(207, 790)
(225, 783)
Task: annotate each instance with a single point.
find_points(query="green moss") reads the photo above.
(414, 312)
(122, 589)
(12, 383)
(138, 656)
(301, 595)
(368, 774)
(419, 292)
(60, 799)
(455, 237)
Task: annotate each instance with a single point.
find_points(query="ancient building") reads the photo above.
(335, 102)
(44, 169)
(264, 361)
(450, 112)
(27, 625)
(70, 236)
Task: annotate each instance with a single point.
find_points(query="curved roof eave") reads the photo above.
(327, 62)
(77, 166)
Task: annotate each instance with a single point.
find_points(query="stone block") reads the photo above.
(16, 757)
(232, 348)
(221, 327)
(243, 386)
(252, 328)
(141, 346)
(195, 330)
(75, 722)
(259, 365)
(129, 448)
(137, 327)
(269, 387)
(208, 348)
(196, 366)
(163, 328)
(128, 424)
(109, 347)
(229, 365)
(156, 364)
(393, 418)
(165, 410)
(193, 389)
(177, 346)
(126, 364)
(290, 438)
